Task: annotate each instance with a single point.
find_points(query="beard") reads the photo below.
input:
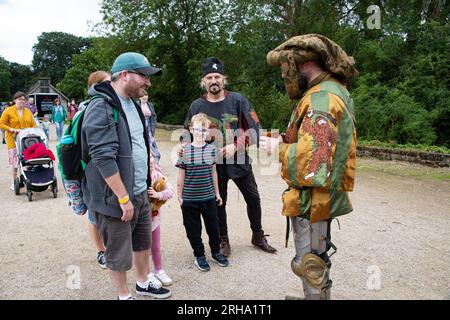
(302, 81)
(215, 88)
(135, 91)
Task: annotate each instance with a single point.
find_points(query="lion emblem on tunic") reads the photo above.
(324, 137)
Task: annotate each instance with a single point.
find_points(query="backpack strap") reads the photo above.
(116, 120)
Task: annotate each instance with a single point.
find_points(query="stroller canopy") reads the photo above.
(25, 139)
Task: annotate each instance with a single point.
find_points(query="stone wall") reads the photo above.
(168, 126)
(431, 159)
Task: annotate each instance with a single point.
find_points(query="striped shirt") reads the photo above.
(198, 164)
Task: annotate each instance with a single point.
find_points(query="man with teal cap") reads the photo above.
(116, 149)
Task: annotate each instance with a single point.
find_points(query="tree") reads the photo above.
(53, 53)
(172, 34)
(425, 76)
(401, 93)
(21, 77)
(5, 77)
(99, 57)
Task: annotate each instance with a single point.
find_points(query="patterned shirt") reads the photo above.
(198, 164)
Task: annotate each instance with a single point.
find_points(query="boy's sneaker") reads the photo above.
(162, 276)
(129, 298)
(220, 259)
(101, 259)
(153, 291)
(154, 280)
(201, 263)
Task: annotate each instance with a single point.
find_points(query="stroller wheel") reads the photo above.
(55, 192)
(17, 186)
(30, 195)
(55, 188)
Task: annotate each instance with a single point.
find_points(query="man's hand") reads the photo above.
(180, 151)
(180, 201)
(128, 211)
(152, 193)
(228, 151)
(269, 144)
(219, 200)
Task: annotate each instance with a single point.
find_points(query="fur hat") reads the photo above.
(310, 47)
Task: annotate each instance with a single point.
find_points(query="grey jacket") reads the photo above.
(107, 149)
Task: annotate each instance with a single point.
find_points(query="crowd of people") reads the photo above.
(124, 187)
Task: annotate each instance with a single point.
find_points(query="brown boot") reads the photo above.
(225, 248)
(259, 240)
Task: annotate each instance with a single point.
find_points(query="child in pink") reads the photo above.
(158, 276)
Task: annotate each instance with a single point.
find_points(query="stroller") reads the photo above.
(34, 174)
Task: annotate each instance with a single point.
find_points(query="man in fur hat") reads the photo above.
(317, 153)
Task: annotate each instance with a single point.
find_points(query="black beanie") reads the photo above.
(212, 65)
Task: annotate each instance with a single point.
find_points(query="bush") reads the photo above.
(388, 114)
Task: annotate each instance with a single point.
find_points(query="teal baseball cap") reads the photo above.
(134, 61)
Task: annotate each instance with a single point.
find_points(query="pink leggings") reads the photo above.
(156, 249)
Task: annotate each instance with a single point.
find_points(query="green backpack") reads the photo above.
(68, 151)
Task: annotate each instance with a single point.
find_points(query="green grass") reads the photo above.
(411, 147)
(404, 169)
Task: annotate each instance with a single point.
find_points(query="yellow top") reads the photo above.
(12, 120)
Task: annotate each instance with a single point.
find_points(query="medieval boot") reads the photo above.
(293, 298)
(326, 292)
(312, 297)
(259, 240)
(225, 248)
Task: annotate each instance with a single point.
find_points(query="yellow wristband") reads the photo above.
(124, 199)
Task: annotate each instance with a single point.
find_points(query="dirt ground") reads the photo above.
(394, 245)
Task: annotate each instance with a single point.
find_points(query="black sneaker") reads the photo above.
(220, 259)
(154, 291)
(201, 263)
(101, 259)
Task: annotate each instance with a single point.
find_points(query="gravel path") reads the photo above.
(395, 245)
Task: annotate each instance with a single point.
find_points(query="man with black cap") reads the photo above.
(115, 147)
(235, 126)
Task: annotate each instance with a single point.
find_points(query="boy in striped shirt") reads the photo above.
(198, 192)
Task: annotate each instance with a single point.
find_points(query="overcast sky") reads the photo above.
(22, 21)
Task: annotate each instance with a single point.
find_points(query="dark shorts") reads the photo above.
(122, 238)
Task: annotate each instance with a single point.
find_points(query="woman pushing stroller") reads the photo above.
(14, 119)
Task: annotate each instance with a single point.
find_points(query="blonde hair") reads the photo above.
(201, 117)
(98, 77)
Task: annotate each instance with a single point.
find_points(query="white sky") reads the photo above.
(22, 21)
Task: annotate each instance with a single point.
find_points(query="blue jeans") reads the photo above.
(59, 129)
